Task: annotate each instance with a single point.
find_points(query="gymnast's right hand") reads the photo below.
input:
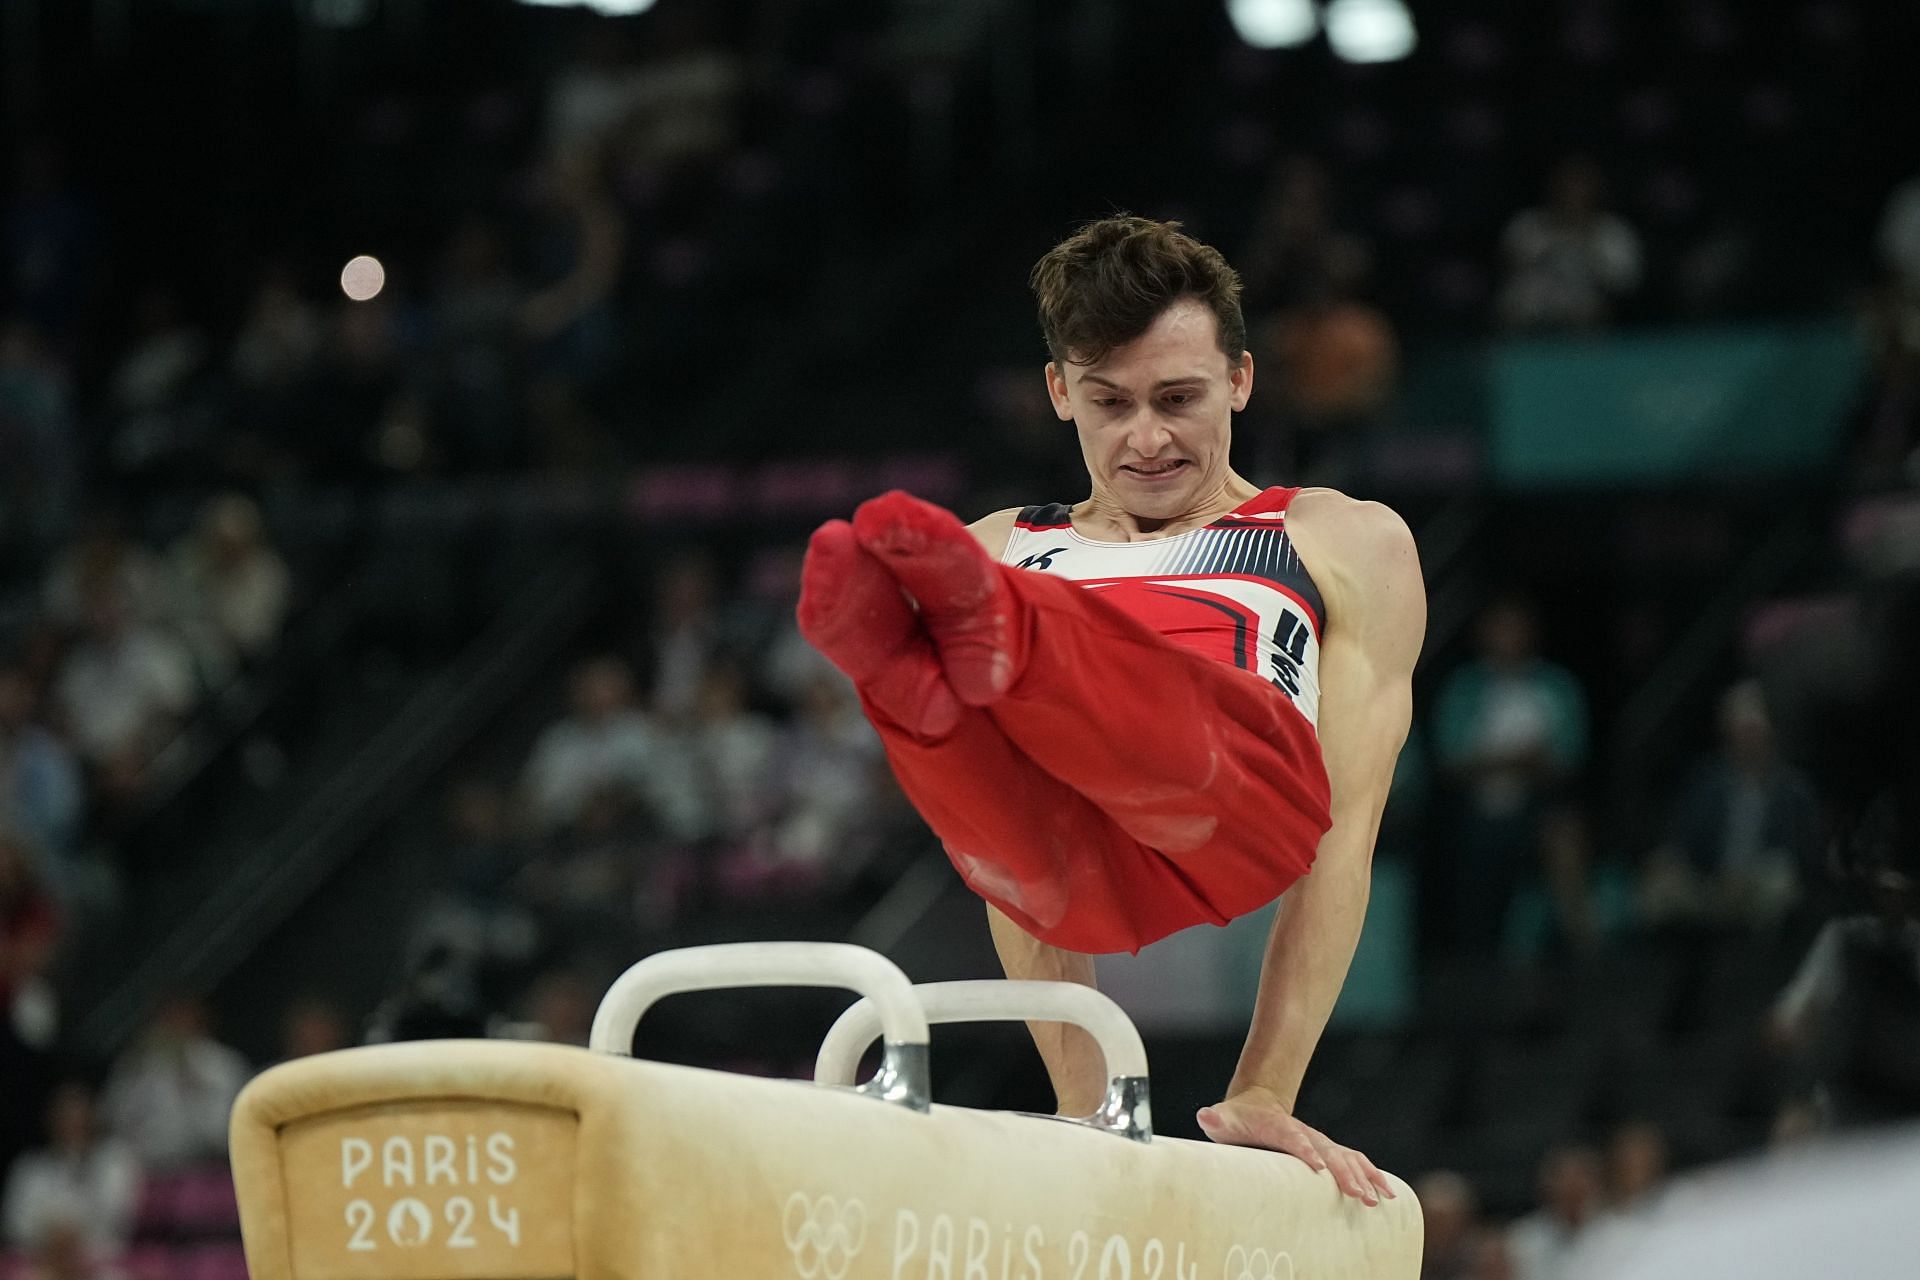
(1256, 1118)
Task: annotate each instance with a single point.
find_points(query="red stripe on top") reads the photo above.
(1256, 510)
(1041, 528)
(1313, 616)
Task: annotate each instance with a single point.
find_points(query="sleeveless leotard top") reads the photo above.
(1234, 590)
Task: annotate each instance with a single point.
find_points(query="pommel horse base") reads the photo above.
(484, 1160)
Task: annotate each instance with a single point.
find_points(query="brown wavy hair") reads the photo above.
(1105, 284)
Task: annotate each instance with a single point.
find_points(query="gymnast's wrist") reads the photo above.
(1241, 1086)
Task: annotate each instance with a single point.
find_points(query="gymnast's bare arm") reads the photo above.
(1362, 557)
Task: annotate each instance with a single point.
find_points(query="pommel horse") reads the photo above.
(491, 1160)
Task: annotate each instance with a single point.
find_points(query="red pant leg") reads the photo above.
(1124, 787)
(1211, 766)
(1033, 847)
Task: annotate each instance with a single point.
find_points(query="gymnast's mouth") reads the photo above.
(1155, 470)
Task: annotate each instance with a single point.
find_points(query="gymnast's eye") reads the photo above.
(1107, 402)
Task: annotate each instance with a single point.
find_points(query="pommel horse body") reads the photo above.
(487, 1160)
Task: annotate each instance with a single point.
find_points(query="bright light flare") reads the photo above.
(1370, 30)
(363, 278)
(1274, 24)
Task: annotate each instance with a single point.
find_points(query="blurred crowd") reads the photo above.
(714, 764)
(118, 647)
(739, 772)
(564, 245)
(1326, 325)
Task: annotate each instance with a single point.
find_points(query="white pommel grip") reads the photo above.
(1126, 1109)
(880, 983)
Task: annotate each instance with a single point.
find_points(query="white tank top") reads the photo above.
(1234, 590)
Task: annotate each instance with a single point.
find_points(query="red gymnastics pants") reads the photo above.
(1123, 787)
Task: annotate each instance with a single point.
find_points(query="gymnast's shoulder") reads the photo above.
(994, 530)
(1354, 548)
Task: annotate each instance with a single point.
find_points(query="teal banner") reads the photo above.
(1697, 405)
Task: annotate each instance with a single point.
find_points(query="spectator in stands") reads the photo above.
(1636, 1179)
(274, 364)
(367, 420)
(29, 935)
(84, 1180)
(63, 1255)
(1452, 1212)
(1886, 423)
(435, 998)
(278, 347)
(479, 915)
(591, 94)
(1899, 236)
(1636, 1167)
(123, 688)
(1543, 1242)
(681, 112)
(830, 790)
(1338, 361)
(158, 428)
(41, 794)
(1299, 255)
(49, 234)
(313, 1024)
(562, 1004)
(1335, 353)
(29, 930)
(1746, 834)
(102, 559)
(733, 752)
(579, 249)
(1851, 1015)
(606, 743)
(686, 631)
(1887, 426)
(233, 586)
(1492, 1256)
(1510, 731)
(483, 852)
(170, 1094)
(582, 887)
(1571, 262)
(38, 438)
(673, 110)
(1796, 1123)
(475, 304)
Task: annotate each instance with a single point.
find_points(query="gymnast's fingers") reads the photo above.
(1350, 1174)
(1297, 1139)
(1376, 1177)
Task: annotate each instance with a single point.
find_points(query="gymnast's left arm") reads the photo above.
(1362, 557)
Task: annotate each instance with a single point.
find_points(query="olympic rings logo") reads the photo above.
(1258, 1264)
(824, 1236)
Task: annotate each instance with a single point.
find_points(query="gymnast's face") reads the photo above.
(1155, 417)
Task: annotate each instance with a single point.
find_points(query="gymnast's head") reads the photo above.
(1149, 360)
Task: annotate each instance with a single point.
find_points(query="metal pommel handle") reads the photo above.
(886, 994)
(1126, 1110)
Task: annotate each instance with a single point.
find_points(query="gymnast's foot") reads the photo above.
(964, 605)
(852, 611)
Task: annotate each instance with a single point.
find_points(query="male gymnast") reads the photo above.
(1157, 707)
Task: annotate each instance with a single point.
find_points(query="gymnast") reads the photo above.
(1160, 706)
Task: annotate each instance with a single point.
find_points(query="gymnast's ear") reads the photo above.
(1240, 381)
(1057, 392)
